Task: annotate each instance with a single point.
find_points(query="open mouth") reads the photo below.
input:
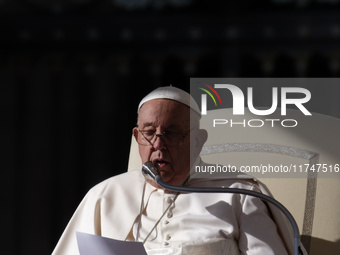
(160, 163)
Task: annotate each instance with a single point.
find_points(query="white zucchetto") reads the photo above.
(172, 93)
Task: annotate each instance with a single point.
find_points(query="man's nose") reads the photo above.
(159, 143)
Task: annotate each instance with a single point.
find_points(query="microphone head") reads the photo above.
(149, 171)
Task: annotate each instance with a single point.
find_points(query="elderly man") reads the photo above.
(129, 207)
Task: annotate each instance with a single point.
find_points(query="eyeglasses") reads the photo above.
(171, 138)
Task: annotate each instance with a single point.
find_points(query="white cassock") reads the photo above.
(185, 223)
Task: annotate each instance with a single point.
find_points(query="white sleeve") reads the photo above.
(258, 232)
(85, 219)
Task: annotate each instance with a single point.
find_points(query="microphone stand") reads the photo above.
(150, 172)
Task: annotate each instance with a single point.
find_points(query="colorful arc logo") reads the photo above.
(210, 94)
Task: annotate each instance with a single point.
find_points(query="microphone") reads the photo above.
(151, 172)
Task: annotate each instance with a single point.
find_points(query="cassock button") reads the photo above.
(165, 243)
(168, 237)
(166, 222)
(169, 200)
(169, 215)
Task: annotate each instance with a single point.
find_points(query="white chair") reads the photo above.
(311, 197)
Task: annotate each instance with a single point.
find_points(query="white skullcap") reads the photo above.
(172, 93)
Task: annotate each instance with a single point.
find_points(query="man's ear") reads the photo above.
(135, 132)
(203, 137)
(199, 140)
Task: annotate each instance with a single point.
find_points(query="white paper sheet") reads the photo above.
(97, 245)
